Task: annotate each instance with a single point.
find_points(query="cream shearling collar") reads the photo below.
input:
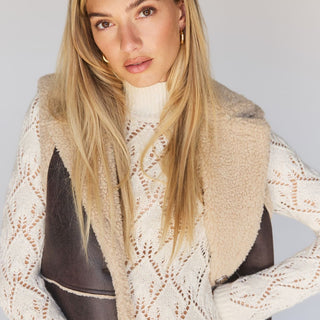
(234, 159)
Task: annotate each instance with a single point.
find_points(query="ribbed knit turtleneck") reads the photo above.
(146, 103)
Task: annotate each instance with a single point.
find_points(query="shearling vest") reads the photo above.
(233, 165)
(83, 287)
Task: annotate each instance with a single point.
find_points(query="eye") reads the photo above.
(146, 12)
(102, 25)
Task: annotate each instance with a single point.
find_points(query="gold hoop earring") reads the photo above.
(181, 37)
(105, 59)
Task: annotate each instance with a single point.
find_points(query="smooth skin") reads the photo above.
(140, 38)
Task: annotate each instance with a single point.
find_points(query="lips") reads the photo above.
(136, 61)
(138, 64)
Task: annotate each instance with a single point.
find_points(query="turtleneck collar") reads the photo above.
(146, 103)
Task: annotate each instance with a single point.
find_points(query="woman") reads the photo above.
(141, 183)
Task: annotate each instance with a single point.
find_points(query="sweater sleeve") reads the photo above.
(295, 192)
(22, 291)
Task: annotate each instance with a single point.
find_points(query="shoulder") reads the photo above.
(55, 132)
(44, 88)
(45, 83)
(30, 133)
(48, 108)
(234, 104)
(283, 158)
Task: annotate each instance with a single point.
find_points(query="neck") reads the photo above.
(146, 102)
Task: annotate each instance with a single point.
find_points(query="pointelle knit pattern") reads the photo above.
(183, 290)
(294, 190)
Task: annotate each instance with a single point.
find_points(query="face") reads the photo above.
(139, 38)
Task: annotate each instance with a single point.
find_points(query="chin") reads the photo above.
(144, 82)
(143, 79)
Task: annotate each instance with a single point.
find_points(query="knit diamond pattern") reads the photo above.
(181, 290)
(22, 291)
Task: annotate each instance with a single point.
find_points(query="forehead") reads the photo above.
(127, 5)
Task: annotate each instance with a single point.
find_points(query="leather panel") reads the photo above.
(64, 260)
(83, 308)
(261, 255)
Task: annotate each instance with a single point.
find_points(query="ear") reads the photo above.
(182, 18)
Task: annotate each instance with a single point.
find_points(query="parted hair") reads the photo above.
(89, 97)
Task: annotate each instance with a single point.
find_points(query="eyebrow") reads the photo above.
(131, 6)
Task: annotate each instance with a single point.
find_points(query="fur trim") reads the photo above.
(234, 156)
(112, 242)
(46, 141)
(56, 134)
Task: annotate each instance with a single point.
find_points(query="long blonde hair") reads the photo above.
(90, 99)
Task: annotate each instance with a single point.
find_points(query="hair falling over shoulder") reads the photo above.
(90, 99)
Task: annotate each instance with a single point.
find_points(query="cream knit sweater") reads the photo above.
(294, 190)
(183, 290)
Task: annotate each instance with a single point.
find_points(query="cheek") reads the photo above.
(98, 41)
(106, 46)
(166, 38)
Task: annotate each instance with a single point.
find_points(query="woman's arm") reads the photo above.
(22, 291)
(295, 192)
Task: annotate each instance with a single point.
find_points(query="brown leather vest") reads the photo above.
(83, 288)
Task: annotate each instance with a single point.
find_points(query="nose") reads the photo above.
(130, 39)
